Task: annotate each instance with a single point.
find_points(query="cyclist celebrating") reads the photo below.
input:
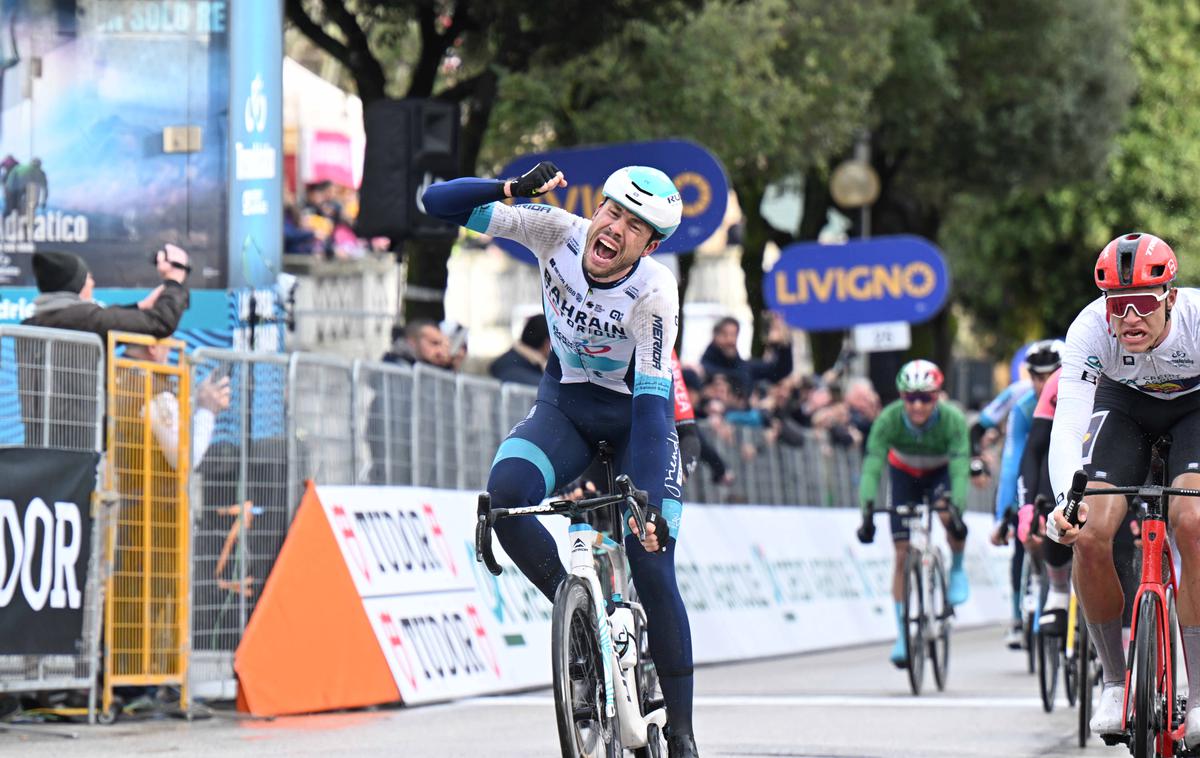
(613, 313)
(925, 444)
(1130, 375)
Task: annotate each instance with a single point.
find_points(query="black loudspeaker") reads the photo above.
(411, 143)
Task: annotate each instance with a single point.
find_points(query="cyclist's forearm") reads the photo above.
(454, 200)
(868, 485)
(960, 475)
(649, 447)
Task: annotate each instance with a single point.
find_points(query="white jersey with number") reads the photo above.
(1170, 370)
(596, 330)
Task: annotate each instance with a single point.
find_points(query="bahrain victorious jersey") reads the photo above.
(617, 335)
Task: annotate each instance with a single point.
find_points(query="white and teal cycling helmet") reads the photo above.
(648, 194)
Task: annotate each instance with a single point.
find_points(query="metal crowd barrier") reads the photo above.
(147, 621)
(300, 416)
(52, 395)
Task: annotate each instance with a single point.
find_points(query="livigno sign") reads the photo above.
(820, 287)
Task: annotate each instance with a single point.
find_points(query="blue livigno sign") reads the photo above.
(822, 287)
(695, 171)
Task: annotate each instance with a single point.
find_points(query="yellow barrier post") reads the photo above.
(146, 614)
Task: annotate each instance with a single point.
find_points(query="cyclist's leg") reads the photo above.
(669, 632)
(1116, 452)
(904, 489)
(543, 449)
(935, 484)
(1183, 466)
(1013, 637)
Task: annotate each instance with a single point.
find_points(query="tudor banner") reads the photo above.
(45, 539)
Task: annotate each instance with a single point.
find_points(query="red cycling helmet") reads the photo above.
(1135, 260)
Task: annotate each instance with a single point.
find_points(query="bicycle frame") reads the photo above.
(620, 684)
(1157, 558)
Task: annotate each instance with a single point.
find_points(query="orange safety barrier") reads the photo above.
(309, 646)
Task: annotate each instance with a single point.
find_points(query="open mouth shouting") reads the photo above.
(604, 251)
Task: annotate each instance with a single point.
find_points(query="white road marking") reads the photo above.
(792, 701)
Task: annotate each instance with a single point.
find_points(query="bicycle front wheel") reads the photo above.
(1048, 647)
(940, 612)
(914, 621)
(1147, 695)
(581, 703)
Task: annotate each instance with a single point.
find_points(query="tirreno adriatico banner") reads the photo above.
(819, 287)
(695, 171)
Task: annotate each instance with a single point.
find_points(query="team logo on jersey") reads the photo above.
(632, 292)
(573, 246)
(595, 349)
(656, 349)
(1180, 358)
(1093, 431)
(1089, 377)
(1127, 360)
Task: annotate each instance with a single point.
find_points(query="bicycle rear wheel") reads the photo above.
(939, 631)
(584, 728)
(1147, 695)
(1048, 647)
(1085, 681)
(914, 621)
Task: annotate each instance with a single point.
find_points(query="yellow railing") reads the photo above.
(146, 614)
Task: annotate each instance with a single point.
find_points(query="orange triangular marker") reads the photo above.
(309, 646)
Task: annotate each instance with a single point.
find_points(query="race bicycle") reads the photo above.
(604, 684)
(926, 611)
(1153, 720)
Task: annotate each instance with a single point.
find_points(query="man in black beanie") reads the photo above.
(65, 301)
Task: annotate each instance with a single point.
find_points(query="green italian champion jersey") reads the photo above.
(942, 441)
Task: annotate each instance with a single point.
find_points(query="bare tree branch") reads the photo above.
(311, 29)
(356, 38)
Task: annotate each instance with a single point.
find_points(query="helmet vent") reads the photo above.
(1157, 271)
(1125, 266)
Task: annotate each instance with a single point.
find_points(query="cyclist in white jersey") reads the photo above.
(612, 312)
(1131, 368)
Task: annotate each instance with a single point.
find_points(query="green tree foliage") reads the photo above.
(772, 87)
(487, 41)
(1024, 262)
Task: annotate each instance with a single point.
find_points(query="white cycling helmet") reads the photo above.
(648, 194)
(919, 376)
(1044, 356)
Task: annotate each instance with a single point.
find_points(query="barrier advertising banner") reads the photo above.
(821, 287)
(45, 545)
(376, 596)
(697, 174)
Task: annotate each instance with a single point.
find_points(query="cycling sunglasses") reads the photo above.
(918, 397)
(1142, 303)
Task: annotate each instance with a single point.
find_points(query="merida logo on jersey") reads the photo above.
(657, 349)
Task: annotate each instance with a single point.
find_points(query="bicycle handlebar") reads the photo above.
(909, 510)
(1079, 490)
(486, 516)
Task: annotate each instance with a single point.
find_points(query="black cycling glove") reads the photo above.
(689, 447)
(527, 184)
(662, 530)
(866, 532)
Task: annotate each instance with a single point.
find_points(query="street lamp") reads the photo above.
(855, 184)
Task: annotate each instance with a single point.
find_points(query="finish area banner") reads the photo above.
(45, 546)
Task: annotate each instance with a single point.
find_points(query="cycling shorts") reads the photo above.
(907, 488)
(1126, 422)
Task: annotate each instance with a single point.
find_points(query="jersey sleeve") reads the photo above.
(684, 412)
(879, 441)
(653, 444)
(1048, 400)
(1083, 362)
(1014, 448)
(959, 452)
(475, 204)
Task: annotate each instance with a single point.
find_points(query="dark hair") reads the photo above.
(535, 332)
(412, 330)
(726, 321)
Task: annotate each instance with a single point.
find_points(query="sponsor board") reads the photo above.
(757, 581)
